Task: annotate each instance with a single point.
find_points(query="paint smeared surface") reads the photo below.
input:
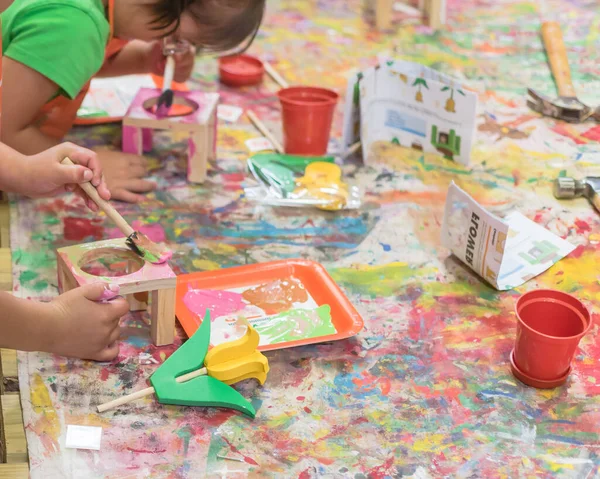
(277, 296)
(425, 391)
(219, 303)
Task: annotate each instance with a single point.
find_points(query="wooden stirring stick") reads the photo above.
(277, 78)
(137, 241)
(260, 126)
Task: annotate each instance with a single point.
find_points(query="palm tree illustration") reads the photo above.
(450, 104)
(420, 82)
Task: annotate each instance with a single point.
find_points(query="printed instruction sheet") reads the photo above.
(505, 252)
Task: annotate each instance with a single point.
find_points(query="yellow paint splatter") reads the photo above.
(205, 265)
(430, 443)
(47, 426)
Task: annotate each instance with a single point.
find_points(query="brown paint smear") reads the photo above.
(277, 296)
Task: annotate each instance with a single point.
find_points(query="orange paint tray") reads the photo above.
(292, 303)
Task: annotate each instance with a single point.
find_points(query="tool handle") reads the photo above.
(147, 391)
(105, 206)
(169, 72)
(265, 131)
(277, 78)
(557, 56)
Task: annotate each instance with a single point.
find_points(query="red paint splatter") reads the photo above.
(235, 450)
(78, 229)
(382, 471)
(234, 177)
(306, 474)
(592, 134)
(104, 374)
(577, 252)
(582, 226)
(307, 410)
(300, 398)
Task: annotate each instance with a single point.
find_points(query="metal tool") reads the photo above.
(567, 106)
(568, 188)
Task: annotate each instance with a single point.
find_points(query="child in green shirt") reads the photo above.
(53, 48)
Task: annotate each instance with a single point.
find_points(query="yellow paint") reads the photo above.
(223, 248)
(591, 379)
(323, 181)
(205, 265)
(430, 443)
(42, 405)
(238, 360)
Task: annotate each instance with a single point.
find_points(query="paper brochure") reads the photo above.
(506, 253)
(413, 106)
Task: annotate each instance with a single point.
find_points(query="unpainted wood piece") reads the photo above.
(163, 316)
(383, 14)
(14, 471)
(197, 155)
(150, 278)
(16, 443)
(138, 301)
(5, 270)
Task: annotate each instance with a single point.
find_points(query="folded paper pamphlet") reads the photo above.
(505, 252)
(413, 106)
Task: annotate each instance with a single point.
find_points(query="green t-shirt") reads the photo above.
(64, 40)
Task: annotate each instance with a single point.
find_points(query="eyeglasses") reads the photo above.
(173, 45)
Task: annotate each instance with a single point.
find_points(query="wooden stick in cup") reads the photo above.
(277, 78)
(260, 126)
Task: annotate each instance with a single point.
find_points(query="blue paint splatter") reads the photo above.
(386, 247)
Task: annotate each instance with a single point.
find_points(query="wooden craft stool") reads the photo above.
(140, 278)
(200, 124)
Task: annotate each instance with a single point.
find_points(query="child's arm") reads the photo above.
(44, 174)
(139, 57)
(74, 324)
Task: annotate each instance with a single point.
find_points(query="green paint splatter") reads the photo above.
(294, 324)
(185, 433)
(51, 220)
(27, 276)
(34, 259)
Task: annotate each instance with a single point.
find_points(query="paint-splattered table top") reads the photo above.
(425, 389)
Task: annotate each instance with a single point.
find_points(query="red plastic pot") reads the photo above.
(307, 117)
(549, 328)
(241, 70)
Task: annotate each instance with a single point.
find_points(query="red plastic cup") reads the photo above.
(550, 326)
(307, 117)
(241, 70)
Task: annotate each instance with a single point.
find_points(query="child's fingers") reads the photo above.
(96, 292)
(109, 353)
(122, 194)
(103, 190)
(138, 185)
(74, 174)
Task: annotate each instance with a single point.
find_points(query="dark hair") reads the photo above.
(224, 24)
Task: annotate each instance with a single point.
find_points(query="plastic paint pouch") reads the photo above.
(300, 181)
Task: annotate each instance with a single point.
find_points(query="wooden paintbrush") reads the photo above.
(137, 241)
(165, 100)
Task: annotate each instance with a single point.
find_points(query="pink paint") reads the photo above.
(147, 140)
(130, 143)
(219, 303)
(111, 291)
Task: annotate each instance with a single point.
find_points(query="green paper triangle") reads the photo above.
(201, 391)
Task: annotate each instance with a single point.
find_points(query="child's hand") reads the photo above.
(44, 174)
(125, 175)
(81, 327)
(184, 62)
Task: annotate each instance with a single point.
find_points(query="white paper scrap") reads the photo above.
(83, 437)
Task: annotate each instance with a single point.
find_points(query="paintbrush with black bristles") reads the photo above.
(138, 242)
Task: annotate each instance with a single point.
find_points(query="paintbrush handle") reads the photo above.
(277, 78)
(264, 130)
(169, 72)
(557, 56)
(105, 206)
(147, 391)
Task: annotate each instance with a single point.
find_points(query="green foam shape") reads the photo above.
(201, 391)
